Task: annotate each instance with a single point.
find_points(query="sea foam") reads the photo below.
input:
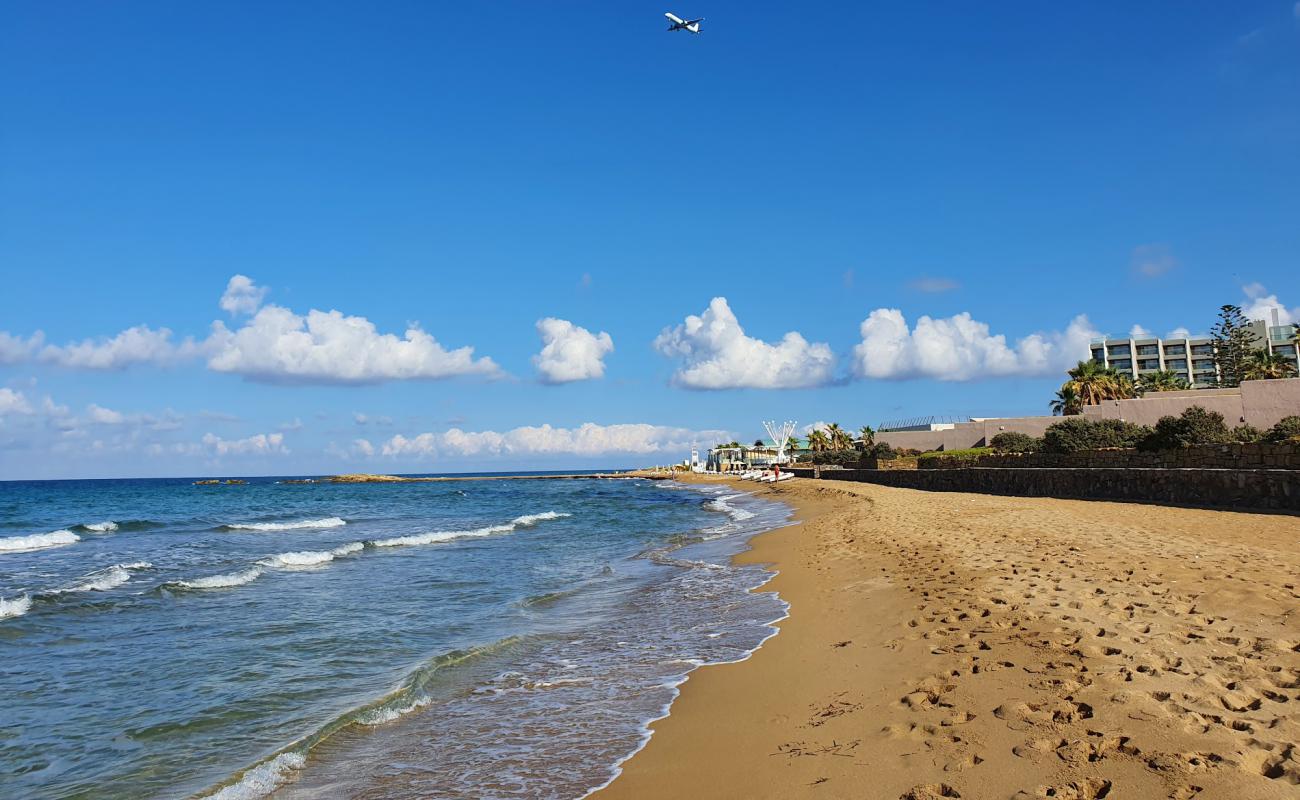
(14, 608)
(433, 537)
(104, 579)
(37, 541)
(107, 526)
(225, 581)
(310, 558)
(326, 522)
(262, 779)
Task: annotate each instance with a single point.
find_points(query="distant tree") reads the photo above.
(1162, 381)
(1263, 366)
(818, 442)
(1066, 402)
(759, 443)
(866, 437)
(1233, 344)
(839, 438)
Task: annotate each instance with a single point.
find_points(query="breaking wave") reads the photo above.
(261, 780)
(325, 522)
(37, 541)
(433, 537)
(14, 608)
(310, 558)
(226, 581)
(107, 526)
(721, 504)
(104, 579)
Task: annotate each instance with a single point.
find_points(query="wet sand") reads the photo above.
(960, 645)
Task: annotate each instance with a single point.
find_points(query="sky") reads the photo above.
(290, 238)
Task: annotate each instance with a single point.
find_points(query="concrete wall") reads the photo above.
(1272, 490)
(1259, 403)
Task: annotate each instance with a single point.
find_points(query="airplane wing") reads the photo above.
(674, 18)
(694, 21)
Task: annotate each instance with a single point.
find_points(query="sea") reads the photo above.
(470, 639)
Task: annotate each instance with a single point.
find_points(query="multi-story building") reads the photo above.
(1191, 359)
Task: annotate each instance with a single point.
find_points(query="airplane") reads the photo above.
(679, 24)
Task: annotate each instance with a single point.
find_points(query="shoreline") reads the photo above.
(945, 645)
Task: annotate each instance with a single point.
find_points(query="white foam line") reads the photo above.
(37, 541)
(325, 522)
(310, 558)
(224, 581)
(434, 537)
(107, 526)
(104, 579)
(14, 608)
(261, 780)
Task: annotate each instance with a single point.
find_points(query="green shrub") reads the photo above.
(1013, 442)
(1286, 429)
(969, 451)
(843, 458)
(1074, 434)
(1246, 434)
(1195, 426)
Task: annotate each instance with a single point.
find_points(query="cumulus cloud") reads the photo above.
(585, 440)
(13, 402)
(1152, 260)
(279, 346)
(104, 416)
(17, 350)
(1260, 304)
(1138, 332)
(242, 296)
(1179, 333)
(138, 345)
(961, 348)
(717, 354)
(934, 285)
(570, 353)
(258, 444)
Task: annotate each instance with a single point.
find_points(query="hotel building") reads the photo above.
(1191, 359)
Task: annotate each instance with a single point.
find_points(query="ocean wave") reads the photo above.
(310, 558)
(721, 504)
(325, 522)
(104, 579)
(225, 581)
(107, 526)
(433, 537)
(37, 541)
(15, 607)
(265, 777)
(261, 780)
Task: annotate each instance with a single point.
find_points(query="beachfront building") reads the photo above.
(1192, 359)
(762, 455)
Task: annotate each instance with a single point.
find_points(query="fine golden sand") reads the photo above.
(961, 645)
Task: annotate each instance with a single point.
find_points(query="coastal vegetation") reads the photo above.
(1233, 345)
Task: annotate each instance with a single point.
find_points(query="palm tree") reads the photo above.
(1162, 381)
(1066, 402)
(1093, 384)
(866, 436)
(1264, 366)
(840, 438)
(818, 442)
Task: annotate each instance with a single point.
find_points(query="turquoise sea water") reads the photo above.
(463, 640)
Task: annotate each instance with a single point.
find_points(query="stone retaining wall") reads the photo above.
(1256, 489)
(1219, 456)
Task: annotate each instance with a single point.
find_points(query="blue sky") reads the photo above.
(1009, 170)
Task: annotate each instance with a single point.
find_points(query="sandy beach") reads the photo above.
(959, 645)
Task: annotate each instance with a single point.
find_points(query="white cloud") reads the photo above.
(293, 425)
(1260, 305)
(934, 285)
(242, 296)
(138, 345)
(277, 345)
(570, 353)
(961, 348)
(1179, 333)
(363, 447)
(258, 444)
(16, 350)
(1153, 260)
(12, 402)
(1138, 332)
(104, 416)
(718, 355)
(589, 439)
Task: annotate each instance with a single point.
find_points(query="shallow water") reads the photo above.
(482, 639)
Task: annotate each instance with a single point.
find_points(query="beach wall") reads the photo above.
(1258, 403)
(1218, 456)
(1256, 489)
